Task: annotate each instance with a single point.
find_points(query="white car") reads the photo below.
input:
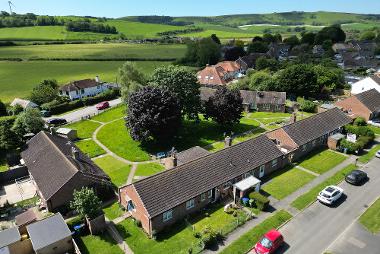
(378, 154)
(330, 194)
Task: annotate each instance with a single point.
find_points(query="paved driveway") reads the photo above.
(84, 112)
(317, 227)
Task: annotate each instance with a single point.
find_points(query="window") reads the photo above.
(82, 91)
(304, 148)
(314, 142)
(190, 204)
(206, 77)
(246, 175)
(274, 163)
(77, 92)
(211, 77)
(210, 194)
(199, 77)
(130, 206)
(167, 215)
(203, 196)
(227, 185)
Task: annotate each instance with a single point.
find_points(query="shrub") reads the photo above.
(261, 201)
(349, 146)
(360, 121)
(138, 223)
(306, 105)
(359, 130)
(210, 237)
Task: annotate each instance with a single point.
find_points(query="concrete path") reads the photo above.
(318, 226)
(77, 115)
(132, 174)
(307, 171)
(117, 237)
(279, 205)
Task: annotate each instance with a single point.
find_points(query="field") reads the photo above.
(109, 51)
(18, 78)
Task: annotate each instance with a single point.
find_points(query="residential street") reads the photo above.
(315, 229)
(80, 113)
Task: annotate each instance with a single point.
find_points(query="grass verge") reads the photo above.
(248, 240)
(306, 199)
(322, 161)
(369, 155)
(85, 128)
(371, 218)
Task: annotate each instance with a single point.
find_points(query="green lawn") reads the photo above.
(371, 218)
(369, 155)
(113, 211)
(322, 161)
(3, 163)
(95, 51)
(180, 237)
(85, 128)
(285, 182)
(103, 244)
(375, 129)
(33, 72)
(268, 115)
(117, 170)
(110, 114)
(90, 148)
(306, 199)
(247, 241)
(149, 169)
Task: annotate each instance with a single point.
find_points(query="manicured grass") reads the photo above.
(90, 148)
(116, 137)
(95, 51)
(110, 114)
(102, 244)
(249, 239)
(369, 155)
(322, 161)
(113, 211)
(268, 115)
(178, 238)
(117, 170)
(287, 181)
(371, 218)
(85, 128)
(15, 85)
(306, 199)
(149, 169)
(27, 202)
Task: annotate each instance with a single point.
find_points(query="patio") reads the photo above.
(19, 191)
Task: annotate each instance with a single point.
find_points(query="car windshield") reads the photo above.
(266, 243)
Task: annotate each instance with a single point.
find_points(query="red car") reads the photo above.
(269, 243)
(102, 105)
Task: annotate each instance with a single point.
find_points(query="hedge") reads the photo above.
(67, 106)
(261, 201)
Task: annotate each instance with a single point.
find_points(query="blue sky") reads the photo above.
(119, 8)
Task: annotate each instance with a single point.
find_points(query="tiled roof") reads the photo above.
(173, 187)
(26, 217)
(50, 161)
(212, 75)
(311, 128)
(9, 236)
(370, 99)
(80, 84)
(191, 154)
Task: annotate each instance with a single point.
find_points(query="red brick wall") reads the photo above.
(357, 108)
(140, 212)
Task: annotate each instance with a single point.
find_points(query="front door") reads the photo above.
(262, 171)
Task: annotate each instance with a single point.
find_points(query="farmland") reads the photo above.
(18, 78)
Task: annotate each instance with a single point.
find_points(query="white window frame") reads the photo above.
(209, 194)
(168, 215)
(246, 175)
(190, 204)
(274, 163)
(203, 196)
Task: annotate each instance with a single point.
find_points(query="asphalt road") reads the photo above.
(318, 227)
(84, 112)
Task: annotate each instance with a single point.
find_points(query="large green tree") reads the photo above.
(3, 109)
(183, 84)
(86, 203)
(262, 81)
(28, 121)
(130, 79)
(258, 47)
(334, 33)
(209, 52)
(154, 114)
(9, 140)
(299, 79)
(225, 107)
(44, 92)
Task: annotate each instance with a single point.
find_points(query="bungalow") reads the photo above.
(261, 101)
(300, 138)
(366, 84)
(165, 198)
(220, 74)
(249, 61)
(366, 105)
(83, 88)
(23, 103)
(57, 167)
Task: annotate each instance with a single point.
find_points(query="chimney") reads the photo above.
(293, 118)
(171, 162)
(52, 131)
(228, 141)
(97, 79)
(75, 153)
